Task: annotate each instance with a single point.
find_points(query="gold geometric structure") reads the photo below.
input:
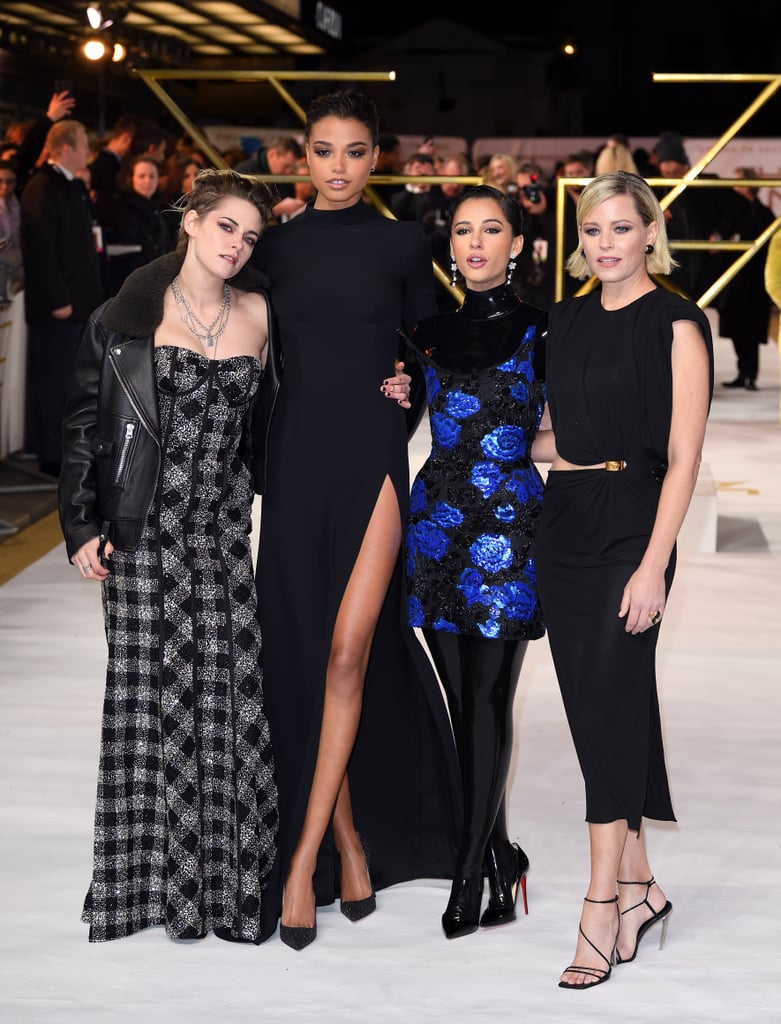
(152, 79)
(748, 248)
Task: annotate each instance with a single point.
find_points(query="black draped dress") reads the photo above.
(609, 381)
(343, 283)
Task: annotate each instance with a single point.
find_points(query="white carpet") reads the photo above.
(720, 668)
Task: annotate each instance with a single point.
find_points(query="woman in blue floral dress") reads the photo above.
(473, 510)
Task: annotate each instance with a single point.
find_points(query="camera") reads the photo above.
(533, 189)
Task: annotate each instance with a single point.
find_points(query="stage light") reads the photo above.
(105, 16)
(94, 49)
(96, 20)
(119, 53)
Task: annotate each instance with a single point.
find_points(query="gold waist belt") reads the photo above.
(613, 466)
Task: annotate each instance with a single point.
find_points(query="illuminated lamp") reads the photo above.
(94, 49)
(96, 20)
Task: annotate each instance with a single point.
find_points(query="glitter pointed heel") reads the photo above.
(356, 910)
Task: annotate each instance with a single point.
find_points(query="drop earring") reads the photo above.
(649, 249)
(453, 272)
(510, 269)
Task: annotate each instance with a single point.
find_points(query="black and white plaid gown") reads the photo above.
(186, 820)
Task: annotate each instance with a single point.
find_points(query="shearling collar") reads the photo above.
(137, 309)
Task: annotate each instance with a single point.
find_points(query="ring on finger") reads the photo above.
(86, 568)
(654, 617)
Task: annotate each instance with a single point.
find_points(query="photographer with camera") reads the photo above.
(578, 164)
(533, 279)
(436, 220)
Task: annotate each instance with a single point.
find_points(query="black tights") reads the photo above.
(479, 677)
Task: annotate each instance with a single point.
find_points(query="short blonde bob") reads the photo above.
(622, 183)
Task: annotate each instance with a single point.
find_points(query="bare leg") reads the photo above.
(634, 867)
(350, 648)
(599, 920)
(355, 881)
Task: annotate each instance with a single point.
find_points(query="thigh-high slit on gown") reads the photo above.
(609, 384)
(342, 284)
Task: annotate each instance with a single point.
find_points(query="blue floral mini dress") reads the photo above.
(476, 500)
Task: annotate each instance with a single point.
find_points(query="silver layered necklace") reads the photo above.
(207, 336)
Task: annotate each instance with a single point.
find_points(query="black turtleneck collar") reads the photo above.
(498, 301)
(486, 331)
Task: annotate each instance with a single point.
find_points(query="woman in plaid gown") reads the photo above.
(164, 448)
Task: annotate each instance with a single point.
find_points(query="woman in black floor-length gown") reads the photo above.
(344, 280)
(629, 374)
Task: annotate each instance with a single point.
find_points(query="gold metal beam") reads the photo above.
(162, 74)
(152, 79)
(774, 84)
(752, 249)
(690, 180)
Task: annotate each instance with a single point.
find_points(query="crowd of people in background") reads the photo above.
(717, 215)
(131, 184)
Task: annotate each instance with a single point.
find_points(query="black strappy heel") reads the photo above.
(599, 973)
(662, 915)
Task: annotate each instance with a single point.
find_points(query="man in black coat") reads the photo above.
(60, 106)
(280, 156)
(744, 305)
(105, 167)
(417, 202)
(63, 282)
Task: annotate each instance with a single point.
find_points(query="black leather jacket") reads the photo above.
(111, 432)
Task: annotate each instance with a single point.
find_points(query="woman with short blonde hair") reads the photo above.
(659, 260)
